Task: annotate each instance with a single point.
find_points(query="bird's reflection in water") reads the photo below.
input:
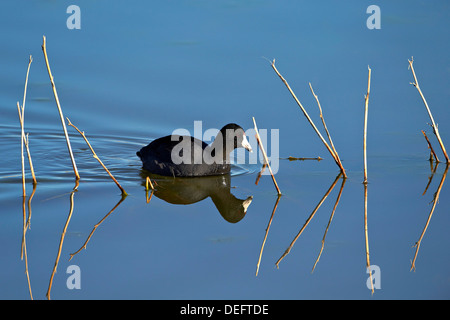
(191, 190)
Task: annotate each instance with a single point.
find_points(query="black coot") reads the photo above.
(186, 156)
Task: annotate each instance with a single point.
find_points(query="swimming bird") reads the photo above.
(186, 156)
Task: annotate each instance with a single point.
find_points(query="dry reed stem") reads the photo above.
(366, 114)
(265, 156)
(21, 119)
(26, 142)
(290, 158)
(432, 153)
(96, 157)
(22, 137)
(335, 154)
(306, 115)
(433, 124)
(55, 93)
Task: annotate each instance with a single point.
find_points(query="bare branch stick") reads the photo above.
(21, 150)
(304, 112)
(96, 157)
(25, 141)
(290, 158)
(365, 126)
(265, 156)
(336, 156)
(29, 160)
(44, 49)
(21, 119)
(432, 153)
(433, 124)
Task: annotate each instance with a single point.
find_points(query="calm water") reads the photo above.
(134, 73)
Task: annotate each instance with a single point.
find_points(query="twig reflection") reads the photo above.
(63, 234)
(26, 226)
(366, 236)
(435, 201)
(308, 220)
(433, 171)
(95, 228)
(329, 223)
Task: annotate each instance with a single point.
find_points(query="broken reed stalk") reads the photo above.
(29, 160)
(433, 124)
(265, 156)
(432, 153)
(96, 157)
(44, 49)
(333, 154)
(365, 126)
(290, 158)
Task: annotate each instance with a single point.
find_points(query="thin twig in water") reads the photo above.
(336, 155)
(25, 141)
(21, 111)
(433, 124)
(22, 137)
(265, 156)
(96, 157)
(366, 114)
(432, 153)
(290, 158)
(44, 49)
